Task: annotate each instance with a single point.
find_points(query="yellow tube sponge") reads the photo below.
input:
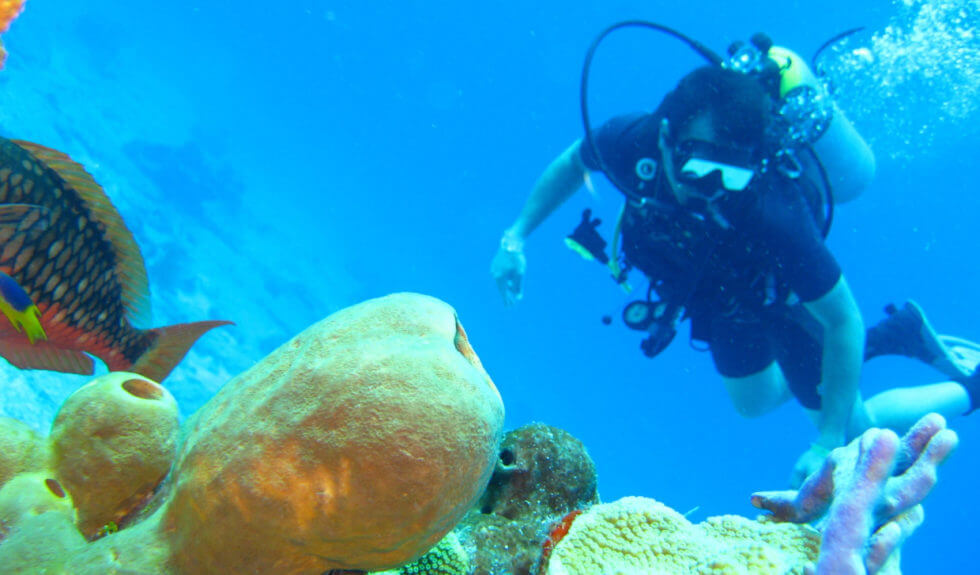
(31, 494)
(637, 535)
(21, 449)
(113, 441)
(37, 528)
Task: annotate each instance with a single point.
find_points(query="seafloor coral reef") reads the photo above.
(372, 441)
(864, 503)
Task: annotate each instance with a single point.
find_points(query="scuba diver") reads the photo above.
(729, 191)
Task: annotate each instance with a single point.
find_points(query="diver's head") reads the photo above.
(712, 135)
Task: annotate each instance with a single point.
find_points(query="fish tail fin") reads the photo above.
(170, 344)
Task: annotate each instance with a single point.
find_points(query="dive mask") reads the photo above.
(705, 164)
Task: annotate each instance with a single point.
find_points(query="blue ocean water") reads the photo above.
(279, 162)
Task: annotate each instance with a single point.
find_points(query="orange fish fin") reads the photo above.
(45, 355)
(170, 345)
(129, 260)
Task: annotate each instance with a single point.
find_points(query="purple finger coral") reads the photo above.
(866, 497)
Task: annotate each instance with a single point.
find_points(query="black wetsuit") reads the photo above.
(733, 266)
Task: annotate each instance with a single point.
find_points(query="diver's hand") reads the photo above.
(508, 267)
(806, 464)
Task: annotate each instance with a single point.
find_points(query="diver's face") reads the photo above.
(698, 166)
(700, 128)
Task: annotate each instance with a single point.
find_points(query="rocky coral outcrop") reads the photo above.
(542, 474)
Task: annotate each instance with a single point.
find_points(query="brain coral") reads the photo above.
(356, 445)
(447, 558)
(638, 536)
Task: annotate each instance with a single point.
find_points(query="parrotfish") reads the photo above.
(72, 278)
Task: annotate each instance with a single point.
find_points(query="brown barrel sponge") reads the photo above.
(358, 444)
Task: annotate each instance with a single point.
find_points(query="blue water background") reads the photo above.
(279, 162)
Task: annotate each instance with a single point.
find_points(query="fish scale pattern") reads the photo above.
(69, 268)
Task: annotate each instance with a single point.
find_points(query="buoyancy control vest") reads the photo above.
(704, 263)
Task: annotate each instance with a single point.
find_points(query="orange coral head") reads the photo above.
(9, 9)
